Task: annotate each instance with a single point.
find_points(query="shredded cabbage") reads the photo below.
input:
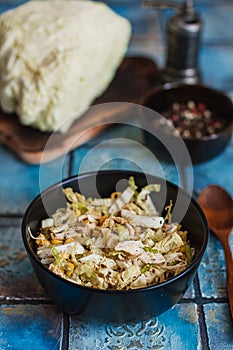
(119, 242)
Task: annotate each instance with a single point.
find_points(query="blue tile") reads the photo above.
(231, 241)
(120, 150)
(26, 327)
(219, 326)
(16, 274)
(213, 2)
(216, 66)
(175, 329)
(190, 293)
(21, 182)
(9, 4)
(40, 326)
(217, 22)
(181, 327)
(129, 157)
(213, 170)
(212, 271)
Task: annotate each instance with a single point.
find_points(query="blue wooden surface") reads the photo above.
(28, 320)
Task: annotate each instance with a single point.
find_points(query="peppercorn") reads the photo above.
(192, 120)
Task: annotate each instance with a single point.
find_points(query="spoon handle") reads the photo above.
(229, 268)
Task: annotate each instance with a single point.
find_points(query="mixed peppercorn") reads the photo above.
(193, 120)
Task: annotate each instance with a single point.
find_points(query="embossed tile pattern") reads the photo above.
(163, 332)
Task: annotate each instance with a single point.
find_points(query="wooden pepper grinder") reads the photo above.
(183, 32)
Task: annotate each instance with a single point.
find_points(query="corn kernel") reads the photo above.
(77, 211)
(182, 249)
(56, 241)
(115, 195)
(65, 255)
(183, 235)
(69, 240)
(69, 269)
(42, 240)
(102, 219)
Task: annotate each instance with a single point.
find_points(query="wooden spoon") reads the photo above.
(217, 205)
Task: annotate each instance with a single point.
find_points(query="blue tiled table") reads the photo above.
(201, 320)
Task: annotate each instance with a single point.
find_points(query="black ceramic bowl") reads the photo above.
(202, 148)
(125, 306)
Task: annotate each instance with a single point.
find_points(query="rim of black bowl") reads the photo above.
(170, 86)
(32, 254)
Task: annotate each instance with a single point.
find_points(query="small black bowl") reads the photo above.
(119, 306)
(200, 149)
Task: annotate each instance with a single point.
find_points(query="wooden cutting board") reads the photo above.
(134, 78)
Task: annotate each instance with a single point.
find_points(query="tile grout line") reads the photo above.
(35, 301)
(202, 328)
(65, 331)
(201, 316)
